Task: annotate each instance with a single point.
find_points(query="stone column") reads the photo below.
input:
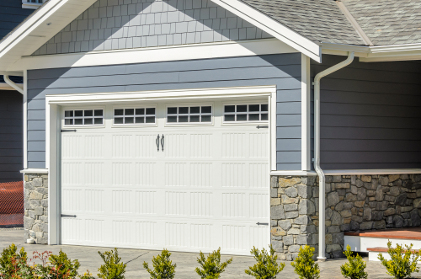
(293, 214)
(36, 208)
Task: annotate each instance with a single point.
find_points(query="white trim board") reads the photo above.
(305, 113)
(155, 54)
(34, 171)
(53, 103)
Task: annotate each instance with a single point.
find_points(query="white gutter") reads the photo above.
(12, 84)
(316, 160)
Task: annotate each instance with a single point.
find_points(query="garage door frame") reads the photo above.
(53, 128)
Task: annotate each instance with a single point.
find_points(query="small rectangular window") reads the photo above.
(246, 113)
(82, 117)
(130, 116)
(194, 114)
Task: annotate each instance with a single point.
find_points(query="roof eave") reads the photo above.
(376, 53)
(273, 27)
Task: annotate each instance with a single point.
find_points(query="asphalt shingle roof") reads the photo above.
(388, 22)
(317, 20)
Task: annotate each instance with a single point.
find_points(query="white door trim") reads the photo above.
(53, 129)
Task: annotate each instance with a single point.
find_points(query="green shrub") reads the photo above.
(162, 266)
(266, 266)
(63, 267)
(112, 268)
(355, 267)
(12, 263)
(402, 261)
(211, 266)
(304, 264)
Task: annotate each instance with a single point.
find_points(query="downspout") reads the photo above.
(316, 160)
(12, 84)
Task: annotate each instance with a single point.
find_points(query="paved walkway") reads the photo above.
(186, 262)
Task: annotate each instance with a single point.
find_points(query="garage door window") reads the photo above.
(194, 114)
(244, 113)
(83, 117)
(129, 116)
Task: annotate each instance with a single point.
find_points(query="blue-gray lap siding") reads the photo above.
(281, 70)
(11, 136)
(370, 115)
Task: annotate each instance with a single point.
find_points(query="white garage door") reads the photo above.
(186, 177)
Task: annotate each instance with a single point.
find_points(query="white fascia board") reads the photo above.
(375, 53)
(272, 27)
(155, 54)
(37, 29)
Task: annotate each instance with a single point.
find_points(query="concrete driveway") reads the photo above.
(186, 262)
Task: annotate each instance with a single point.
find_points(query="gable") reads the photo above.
(127, 24)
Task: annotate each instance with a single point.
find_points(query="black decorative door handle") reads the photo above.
(157, 143)
(162, 142)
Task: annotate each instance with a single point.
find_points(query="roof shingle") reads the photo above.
(317, 20)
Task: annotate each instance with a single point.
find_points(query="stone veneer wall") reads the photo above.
(36, 208)
(293, 214)
(353, 202)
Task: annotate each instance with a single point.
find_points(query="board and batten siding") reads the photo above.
(370, 115)
(11, 136)
(282, 70)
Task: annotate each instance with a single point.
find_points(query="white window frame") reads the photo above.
(137, 125)
(205, 104)
(26, 4)
(90, 126)
(247, 122)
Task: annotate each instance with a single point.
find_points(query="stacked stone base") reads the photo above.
(36, 208)
(353, 202)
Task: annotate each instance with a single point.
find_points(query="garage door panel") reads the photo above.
(172, 174)
(176, 145)
(94, 231)
(202, 174)
(234, 174)
(234, 145)
(200, 146)
(144, 146)
(206, 187)
(256, 210)
(93, 146)
(201, 204)
(145, 174)
(73, 200)
(177, 203)
(122, 173)
(258, 147)
(258, 175)
(145, 233)
(94, 201)
(146, 202)
(122, 232)
(122, 146)
(122, 201)
(201, 235)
